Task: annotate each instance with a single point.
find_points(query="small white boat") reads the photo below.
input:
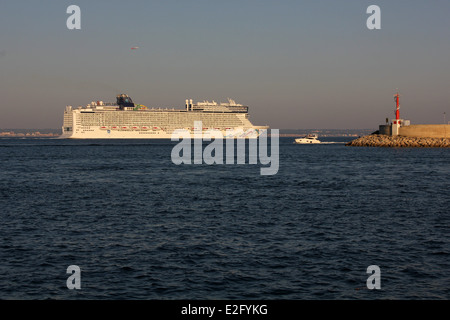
(308, 139)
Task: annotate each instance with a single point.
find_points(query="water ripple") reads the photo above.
(141, 227)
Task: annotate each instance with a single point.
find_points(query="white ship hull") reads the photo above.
(306, 141)
(237, 133)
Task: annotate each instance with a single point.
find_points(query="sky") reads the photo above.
(296, 64)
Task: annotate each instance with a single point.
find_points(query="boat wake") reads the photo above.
(323, 142)
(332, 142)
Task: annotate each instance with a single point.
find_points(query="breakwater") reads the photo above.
(381, 140)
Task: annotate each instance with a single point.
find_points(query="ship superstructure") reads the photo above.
(126, 120)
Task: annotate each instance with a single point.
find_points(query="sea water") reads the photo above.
(140, 227)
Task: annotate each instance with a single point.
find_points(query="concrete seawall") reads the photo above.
(381, 140)
(426, 131)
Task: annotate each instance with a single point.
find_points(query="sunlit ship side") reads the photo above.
(127, 120)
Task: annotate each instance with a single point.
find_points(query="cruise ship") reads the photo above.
(126, 120)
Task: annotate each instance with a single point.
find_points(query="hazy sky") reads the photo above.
(296, 64)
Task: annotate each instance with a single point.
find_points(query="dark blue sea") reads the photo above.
(141, 227)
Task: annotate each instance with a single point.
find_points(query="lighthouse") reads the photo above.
(397, 122)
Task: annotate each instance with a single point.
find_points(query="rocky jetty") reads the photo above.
(381, 140)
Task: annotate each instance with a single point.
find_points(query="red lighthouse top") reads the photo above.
(397, 112)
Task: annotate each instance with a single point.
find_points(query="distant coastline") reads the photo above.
(29, 133)
(326, 132)
(51, 133)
